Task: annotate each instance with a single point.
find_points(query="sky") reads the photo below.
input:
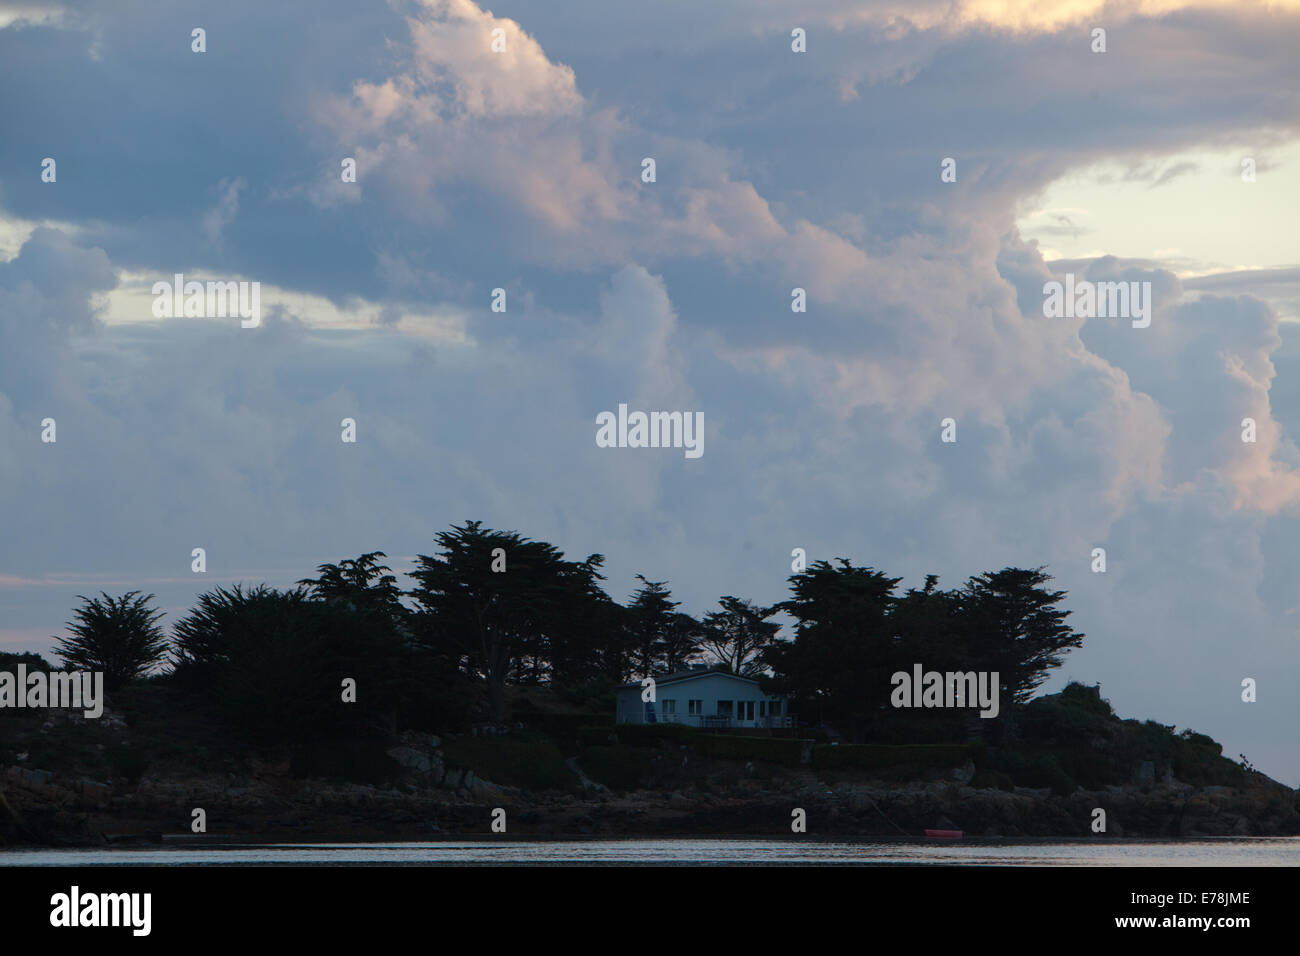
(521, 170)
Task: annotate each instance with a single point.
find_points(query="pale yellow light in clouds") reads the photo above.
(1202, 220)
(1015, 16)
(1037, 15)
(132, 302)
(15, 232)
(28, 15)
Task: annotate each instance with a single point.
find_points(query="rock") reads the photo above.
(1039, 792)
(92, 787)
(412, 759)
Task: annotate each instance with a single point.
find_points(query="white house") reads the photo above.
(702, 698)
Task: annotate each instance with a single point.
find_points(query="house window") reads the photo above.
(747, 713)
(774, 708)
(695, 707)
(724, 708)
(670, 707)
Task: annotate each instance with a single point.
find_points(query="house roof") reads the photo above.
(680, 676)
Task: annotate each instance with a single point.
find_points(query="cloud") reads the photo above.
(454, 119)
(224, 212)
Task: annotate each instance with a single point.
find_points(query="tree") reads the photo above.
(738, 634)
(496, 617)
(211, 636)
(584, 641)
(363, 582)
(928, 628)
(649, 618)
(119, 636)
(681, 641)
(838, 665)
(29, 659)
(1014, 627)
(274, 664)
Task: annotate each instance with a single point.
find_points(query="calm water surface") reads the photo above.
(1211, 852)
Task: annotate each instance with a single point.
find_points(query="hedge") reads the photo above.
(784, 750)
(557, 725)
(880, 756)
(650, 735)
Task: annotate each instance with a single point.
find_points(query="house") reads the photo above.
(703, 698)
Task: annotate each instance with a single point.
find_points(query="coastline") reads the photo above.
(52, 812)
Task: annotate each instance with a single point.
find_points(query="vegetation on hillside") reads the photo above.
(500, 633)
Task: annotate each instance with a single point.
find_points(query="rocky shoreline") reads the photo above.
(38, 808)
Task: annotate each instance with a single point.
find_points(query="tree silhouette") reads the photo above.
(681, 641)
(649, 617)
(119, 636)
(738, 634)
(363, 582)
(838, 665)
(1014, 627)
(273, 663)
(496, 617)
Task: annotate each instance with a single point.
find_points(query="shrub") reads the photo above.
(651, 735)
(781, 750)
(992, 780)
(616, 767)
(127, 761)
(1092, 770)
(881, 756)
(348, 760)
(33, 662)
(527, 760)
(557, 725)
(595, 736)
(1046, 771)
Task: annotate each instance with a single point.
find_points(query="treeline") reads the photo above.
(492, 608)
